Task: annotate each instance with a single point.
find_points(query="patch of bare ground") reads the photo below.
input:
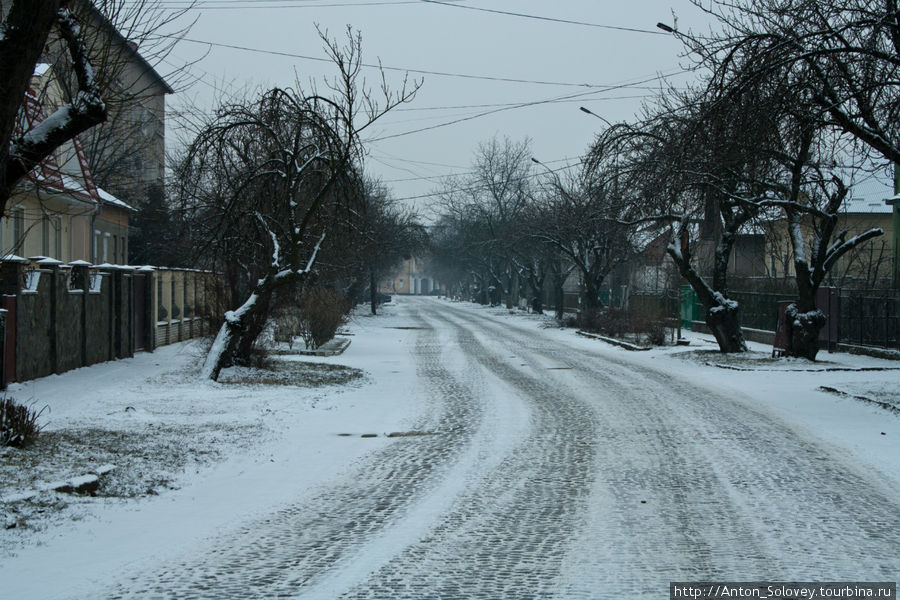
(296, 373)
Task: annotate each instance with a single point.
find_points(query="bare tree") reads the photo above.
(270, 176)
(818, 74)
(372, 239)
(580, 220)
(851, 49)
(488, 205)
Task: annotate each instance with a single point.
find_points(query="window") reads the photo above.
(95, 251)
(106, 237)
(115, 249)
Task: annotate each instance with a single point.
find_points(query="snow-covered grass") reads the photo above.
(164, 428)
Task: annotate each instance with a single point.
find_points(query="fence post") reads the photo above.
(81, 280)
(2, 348)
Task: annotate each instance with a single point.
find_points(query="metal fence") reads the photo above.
(759, 310)
(872, 319)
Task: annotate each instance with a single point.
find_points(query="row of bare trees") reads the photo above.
(793, 99)
(514, 221)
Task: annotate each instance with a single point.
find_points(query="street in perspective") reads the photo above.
(483, 455)
(449, 299)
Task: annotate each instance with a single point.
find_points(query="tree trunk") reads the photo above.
(722, 314)
(590, 298)
(253, 323)
(803, 331)
(26, 27)
(373, 293)
(725, 324)
(233, 335)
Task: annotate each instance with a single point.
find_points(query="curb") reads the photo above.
(332, 347)
(613, 341)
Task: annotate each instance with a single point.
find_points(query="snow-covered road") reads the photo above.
(538, 466)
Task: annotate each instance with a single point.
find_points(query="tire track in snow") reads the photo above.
(288, 551)
(506, 536)
(731, 492)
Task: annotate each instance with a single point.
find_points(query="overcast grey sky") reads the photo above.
(609, 62)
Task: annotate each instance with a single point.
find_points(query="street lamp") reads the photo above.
(548, 169)
(587, 111)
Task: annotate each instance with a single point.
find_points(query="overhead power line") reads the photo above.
(477, 188)
(542, 18)
(524, 105)
(276, 4)
(389, 68)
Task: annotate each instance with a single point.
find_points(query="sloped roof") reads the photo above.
(868, 197)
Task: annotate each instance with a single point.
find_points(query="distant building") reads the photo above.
(413, 278)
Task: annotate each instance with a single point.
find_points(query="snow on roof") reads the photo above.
(40, 69)
(74, 186)
(108, 198)
(866, 206)
(868, 197)
(49, 261)
(14, 258)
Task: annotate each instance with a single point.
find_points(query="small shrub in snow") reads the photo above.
(321, 311)
(18, 424)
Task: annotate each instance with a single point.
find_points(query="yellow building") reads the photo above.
(869, 265)
(413, 277)
(58, 211)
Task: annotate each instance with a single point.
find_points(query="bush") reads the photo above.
(18, 424)
(647, 326)
(320, 312)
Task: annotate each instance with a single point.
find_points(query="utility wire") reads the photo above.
(542, 18)
(387, 68)
(223, 5)
(522, 105)
(477, 188)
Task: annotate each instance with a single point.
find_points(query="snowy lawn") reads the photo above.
(258, 433)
